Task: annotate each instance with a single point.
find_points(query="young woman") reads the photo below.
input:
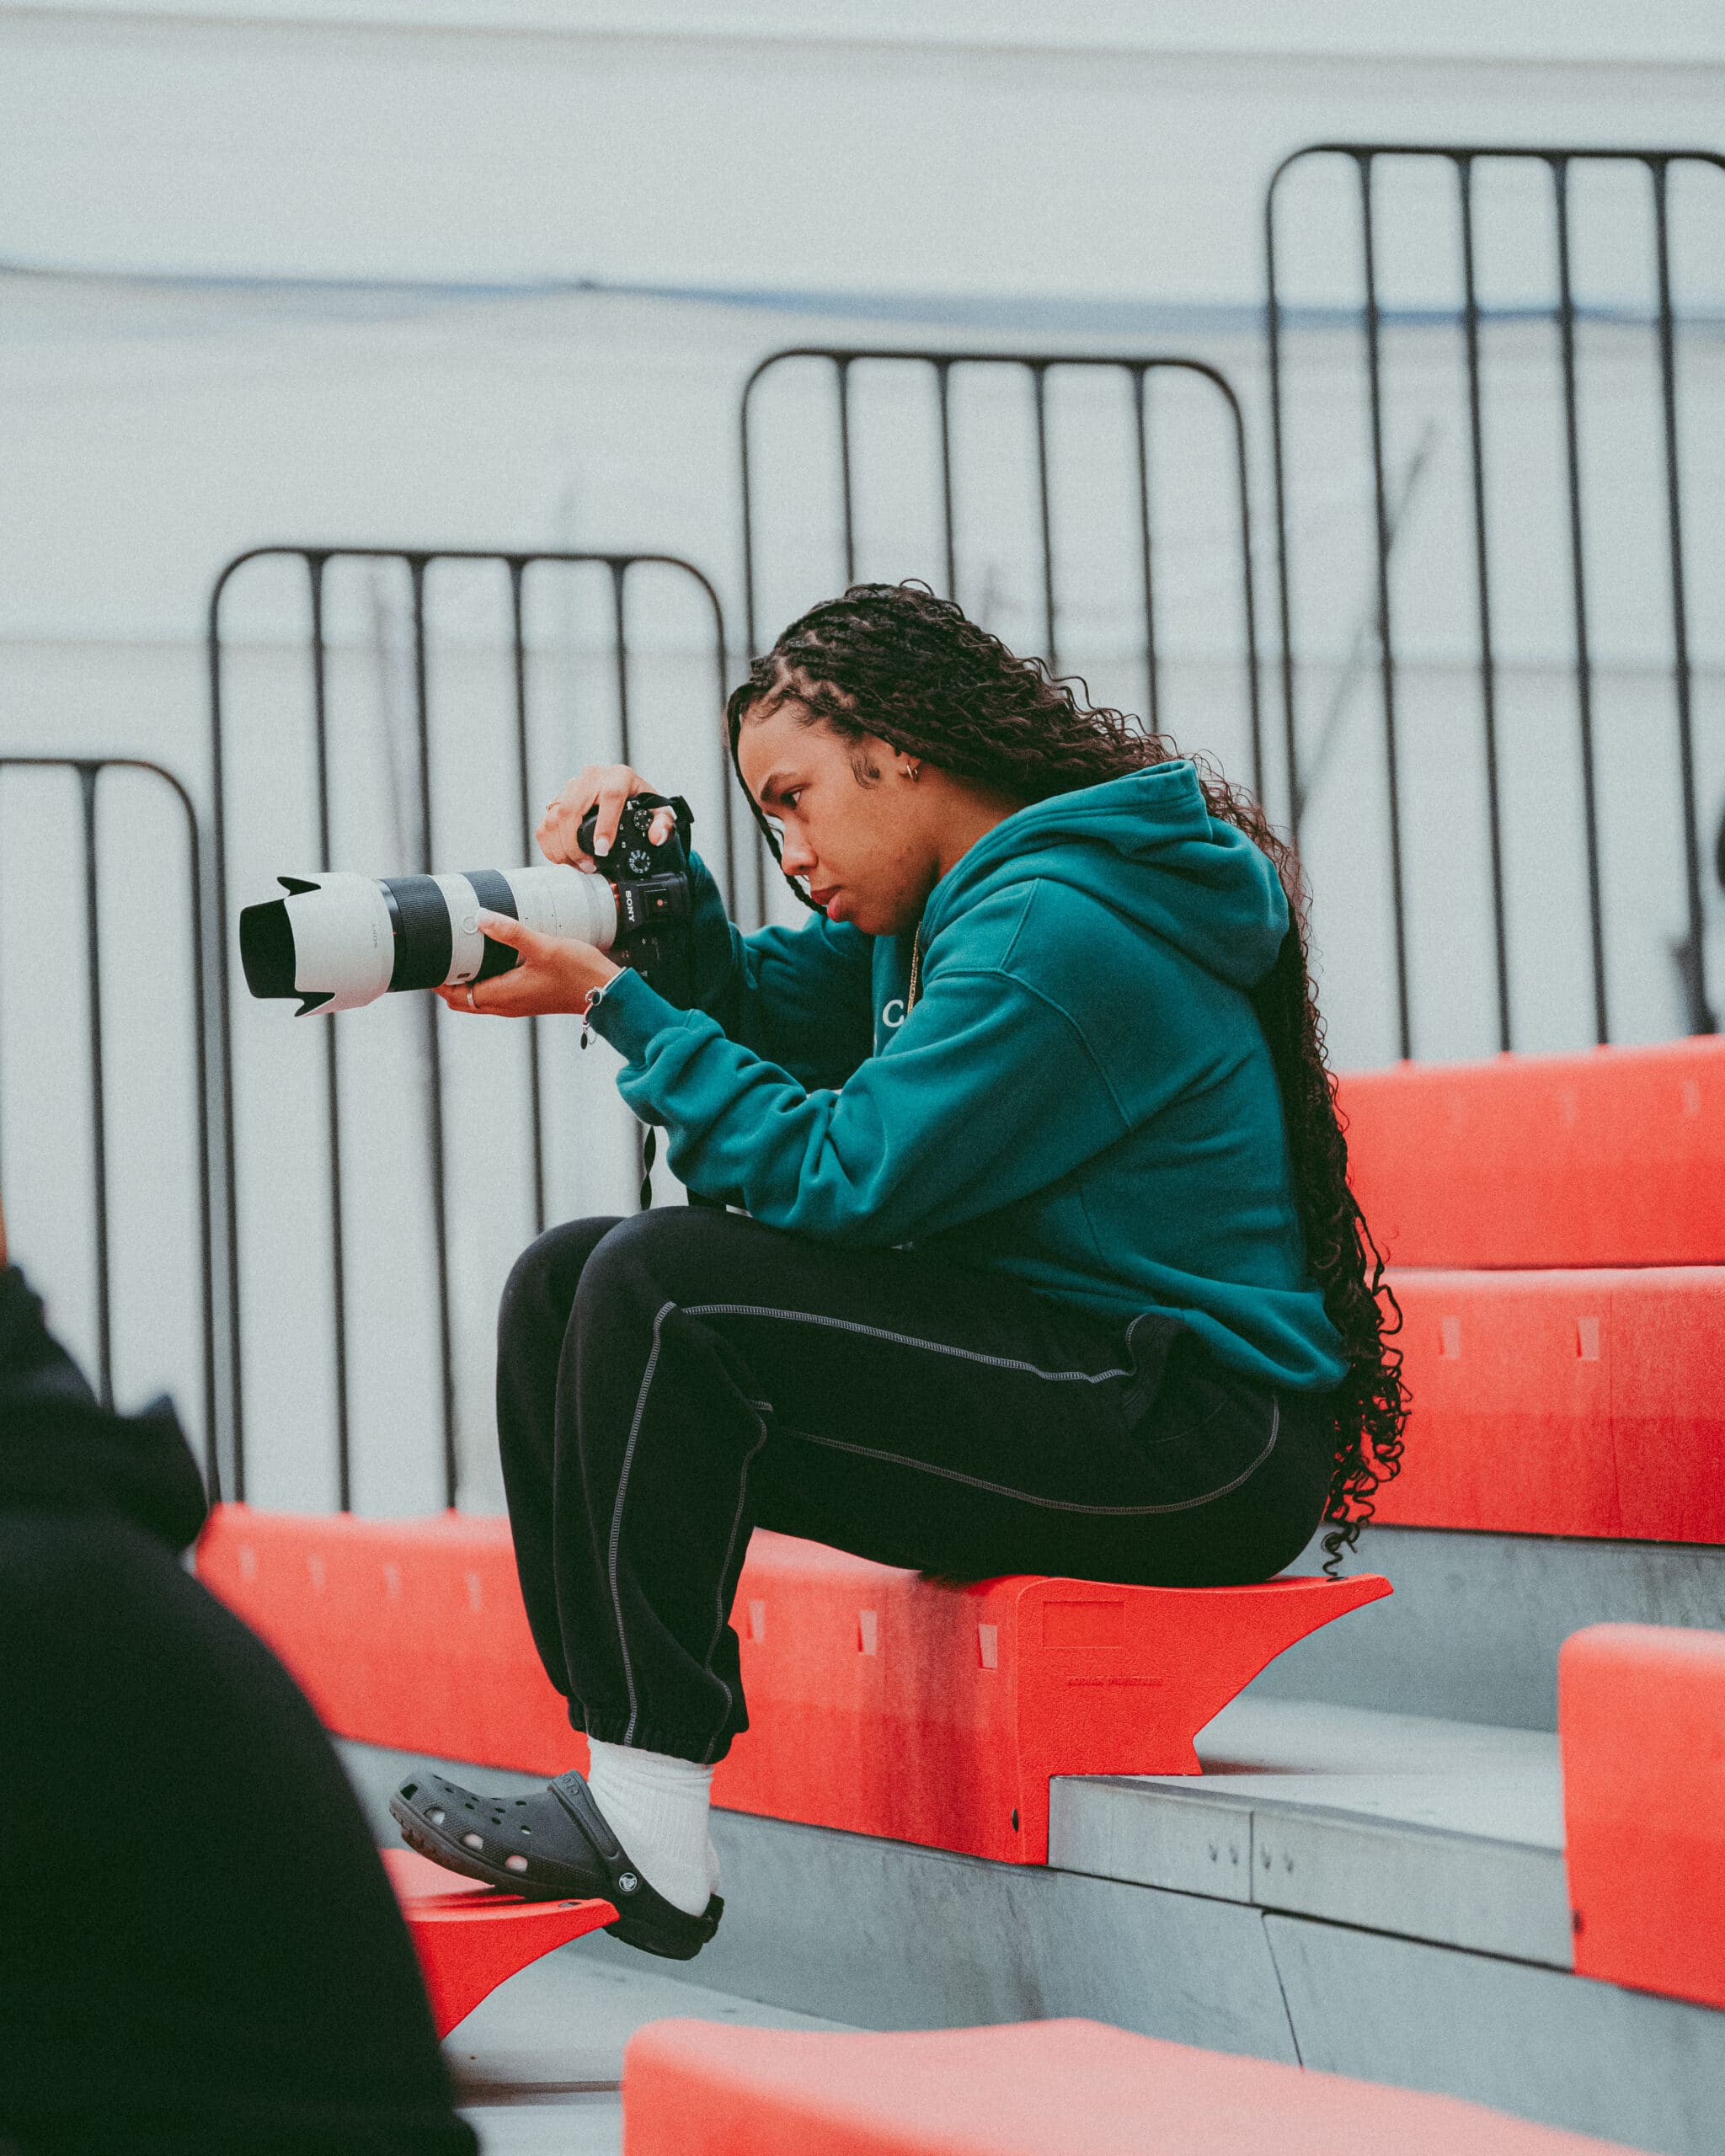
(1045, 1259)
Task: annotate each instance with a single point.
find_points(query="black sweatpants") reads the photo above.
(669, 1383)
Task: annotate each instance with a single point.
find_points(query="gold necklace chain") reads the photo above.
(915, 987)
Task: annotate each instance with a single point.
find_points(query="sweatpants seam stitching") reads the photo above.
(616, 1517)
(909, 1340)
(1053, 1504)
(730, 1698)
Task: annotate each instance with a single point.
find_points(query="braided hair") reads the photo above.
(896, 662)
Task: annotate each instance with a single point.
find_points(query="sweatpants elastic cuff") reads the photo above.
(609, 1726)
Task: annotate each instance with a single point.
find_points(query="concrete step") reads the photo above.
(1381, 1952)
(1445, 1831)
(1472, 1631)
(537, 2065)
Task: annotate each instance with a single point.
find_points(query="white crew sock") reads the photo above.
(657, 1807)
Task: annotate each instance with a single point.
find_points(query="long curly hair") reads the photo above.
(911, 669)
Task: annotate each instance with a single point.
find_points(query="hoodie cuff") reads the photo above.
(630, 1014)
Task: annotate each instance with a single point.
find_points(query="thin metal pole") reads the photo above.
(1038, 379)
(1151, 671)
(1248, 592)
(224, 1034)
(1700, 1016)
(619, 570)
(943, 377)
(1284, 608)
(98, 1115)
(1578, 565)
(1483, 578)
(1386, 650)
(200, 1059)
(733, 877)
(434, 1046)
(621, 636)
(524, 784)
(841, 368)
(332, 1065)
(748, 644)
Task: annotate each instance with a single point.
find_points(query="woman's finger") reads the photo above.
(501, 928)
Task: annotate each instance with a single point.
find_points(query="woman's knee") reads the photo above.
(677, 1254)
(540, 1289)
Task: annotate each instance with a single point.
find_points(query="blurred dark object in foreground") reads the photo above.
(200, 1950)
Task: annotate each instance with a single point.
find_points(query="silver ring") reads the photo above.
(472, 1005)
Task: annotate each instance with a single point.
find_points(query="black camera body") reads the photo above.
(654, 906)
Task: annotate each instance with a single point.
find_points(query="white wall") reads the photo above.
(736, 180)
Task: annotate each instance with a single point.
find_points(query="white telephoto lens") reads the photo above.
(343, 944)
(565, 902)
(341, 941)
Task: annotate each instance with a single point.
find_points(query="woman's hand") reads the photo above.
(556, 974)
(605, 786)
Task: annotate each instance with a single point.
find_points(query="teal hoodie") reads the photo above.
(1081, 1096)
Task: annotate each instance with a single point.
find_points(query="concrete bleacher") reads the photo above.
(1369, 1875)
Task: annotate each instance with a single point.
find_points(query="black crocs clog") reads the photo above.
(554, 1846)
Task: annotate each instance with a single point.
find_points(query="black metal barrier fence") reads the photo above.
(1464, 162)
(316, 561)
(88, 771)
(1136, 369)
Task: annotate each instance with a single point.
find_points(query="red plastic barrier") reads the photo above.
(879, 1702)
(1614, 1157)
(1045, 2088)
(1641, 1721)
(1583, 1403)
(469, 1938)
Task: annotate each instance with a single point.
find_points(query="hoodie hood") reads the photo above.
(1146, 846)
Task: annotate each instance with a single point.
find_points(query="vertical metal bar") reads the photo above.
(1038, 377)
(1386, 650)
(1284, 609)
(619, 570)
(748, 644)
(1151, 671)
(733, 877)
(434, 1046)
(1577, 567)
(842, 366)
(332, 1068)
(224, 1033)
(1482, 580)
(98, 1112)
(201, 1060)
(943, 376)
(524, 784)
(1700, 1016)
(620, 634)
(1248, 592)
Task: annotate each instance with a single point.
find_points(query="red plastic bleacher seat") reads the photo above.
(1612, 1157)
(469, 1938)
(884, 1704)
(1577, 1402)
(879, 1702)
(1641, 1720)
(1045, 2088)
